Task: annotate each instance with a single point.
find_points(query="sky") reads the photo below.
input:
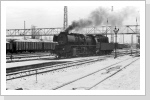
(42, 17)
(48, 15)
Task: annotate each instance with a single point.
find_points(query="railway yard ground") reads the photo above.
(82, 73)
(128, 79)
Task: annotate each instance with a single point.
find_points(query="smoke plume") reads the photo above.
(100, 16)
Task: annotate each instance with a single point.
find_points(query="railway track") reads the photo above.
(28, 72)
(26, 57)
(37, 56)
(89, 81)
(23, 73)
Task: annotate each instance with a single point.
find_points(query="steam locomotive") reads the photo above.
(74, 44)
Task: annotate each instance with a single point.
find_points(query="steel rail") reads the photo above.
(67, 83)
(111, 75)
(53, 67)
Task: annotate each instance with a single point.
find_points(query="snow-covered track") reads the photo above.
(23, 73)
(19, 72)
(26, 57)
(104, 73)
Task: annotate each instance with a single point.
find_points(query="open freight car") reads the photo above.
(30, 45)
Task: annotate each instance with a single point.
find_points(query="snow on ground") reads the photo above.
(92, 80)
(48, 59)
(128, 79)
(47, 81)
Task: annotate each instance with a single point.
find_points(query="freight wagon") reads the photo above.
(16, 46)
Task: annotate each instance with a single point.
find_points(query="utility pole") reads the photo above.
(106, 27)
(65, 18)
(136, 36)
(24, 29)
(123, 38)
(131, 43)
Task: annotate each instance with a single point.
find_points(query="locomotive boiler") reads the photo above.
(74, 44)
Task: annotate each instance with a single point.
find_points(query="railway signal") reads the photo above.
(116, 31)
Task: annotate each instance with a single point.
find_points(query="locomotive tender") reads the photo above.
(74, 44)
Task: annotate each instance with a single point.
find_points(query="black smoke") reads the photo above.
(100, 16)
(79, 24)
